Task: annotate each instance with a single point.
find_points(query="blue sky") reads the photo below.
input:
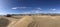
(29, 6)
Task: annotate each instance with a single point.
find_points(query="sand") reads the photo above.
(33, 21)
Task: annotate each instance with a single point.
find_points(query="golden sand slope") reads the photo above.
(45, 21)
(22, 22)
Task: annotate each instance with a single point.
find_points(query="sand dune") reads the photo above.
(22, 22)
(33, 21)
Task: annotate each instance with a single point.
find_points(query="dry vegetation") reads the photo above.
(30, 21)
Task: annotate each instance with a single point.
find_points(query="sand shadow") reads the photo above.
(4, 22)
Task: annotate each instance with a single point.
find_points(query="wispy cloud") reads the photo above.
(19, 7)
(39, 8)
(53, 9)
(14, 8)
(32, 12)
(35, 11)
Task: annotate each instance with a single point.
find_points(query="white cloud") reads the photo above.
(14, 8)
(26, 12)
(53, 9)
(36, 10)
(33, 12)
(19, 7)
(39, 8)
